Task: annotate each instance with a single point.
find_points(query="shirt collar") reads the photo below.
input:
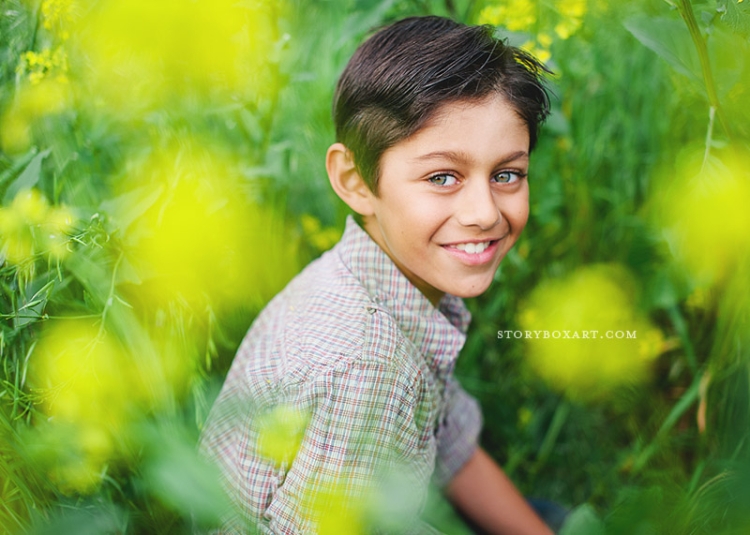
(439, 333)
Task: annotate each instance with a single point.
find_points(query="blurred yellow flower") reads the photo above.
(539, 19)
(567, 27)
(706, 217)
(138, 54)
(83, 374)
(524, 417)
(335, 512)
(570, 16)
(203, 239)
(85, 381)
(320, 238)
(584, 335)
(538, 48)
(30, 226)
(280, 433)
(80, 467)
(572, 8)
(57, 16)
(515, 15)
(48, 62)
(33, 101)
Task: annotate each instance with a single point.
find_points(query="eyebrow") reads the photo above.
(462, 157)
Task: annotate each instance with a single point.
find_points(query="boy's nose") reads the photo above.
(478, 206)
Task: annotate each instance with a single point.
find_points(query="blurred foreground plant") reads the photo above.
(131, 248)
(587, 336)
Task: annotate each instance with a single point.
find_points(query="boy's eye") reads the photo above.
(443, 180)
(507, 177)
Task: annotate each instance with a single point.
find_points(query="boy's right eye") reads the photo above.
(443, 179)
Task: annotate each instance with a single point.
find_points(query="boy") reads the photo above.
(341, 396)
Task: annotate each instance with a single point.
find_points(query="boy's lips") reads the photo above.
(473, 252)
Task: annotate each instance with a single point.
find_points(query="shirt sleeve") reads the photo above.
(458, 433)
(361, 440)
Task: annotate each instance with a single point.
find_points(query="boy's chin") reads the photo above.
(470, 290)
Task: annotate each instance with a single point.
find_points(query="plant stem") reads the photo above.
(686, 401)
(681, 327)
(558, 421)
(709, 136)
(686, 11)
(110, 297)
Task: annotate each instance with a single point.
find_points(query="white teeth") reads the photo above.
(472, 248)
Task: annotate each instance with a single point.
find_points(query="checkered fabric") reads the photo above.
(342, 398)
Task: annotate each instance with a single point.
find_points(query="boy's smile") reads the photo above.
(453, 198)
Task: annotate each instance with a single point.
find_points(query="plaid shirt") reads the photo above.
(343, 388)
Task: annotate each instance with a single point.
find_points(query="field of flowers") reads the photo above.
(162, 177)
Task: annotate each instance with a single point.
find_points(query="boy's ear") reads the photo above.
(346, 181)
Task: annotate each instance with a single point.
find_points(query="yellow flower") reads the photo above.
(564, 17)
(544, 40)
(280, 433)
(57, 225)
(143, 53)
(515, 15)
(75, 457)
(57, 16)
(320, 238)
(202, 239)
(334, 511)
(571, 8)
(84, 377)
(706, 219)
(30, 206)
(567, 27)
(571, 17)
(83, 373)
(29, 226)
(38, 65)
(34, 101)
(537, 50)
(584, 335)
(524, 417)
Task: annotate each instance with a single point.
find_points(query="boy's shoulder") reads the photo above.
(326, 318)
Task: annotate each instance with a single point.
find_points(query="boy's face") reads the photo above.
(453, 198)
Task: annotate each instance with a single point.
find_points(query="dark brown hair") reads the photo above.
(399, 78)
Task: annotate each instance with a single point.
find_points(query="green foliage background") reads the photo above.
(647, 93)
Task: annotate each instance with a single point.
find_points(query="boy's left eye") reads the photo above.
(507, 177)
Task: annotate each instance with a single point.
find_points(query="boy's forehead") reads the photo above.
(450, 110)
(465, 132)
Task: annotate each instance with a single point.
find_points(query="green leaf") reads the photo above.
(737, 16)
(670, 40)
(583, 521)
(728, 53)
(128, 207)
(32, 309)
(185, 481)
(28, 178)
